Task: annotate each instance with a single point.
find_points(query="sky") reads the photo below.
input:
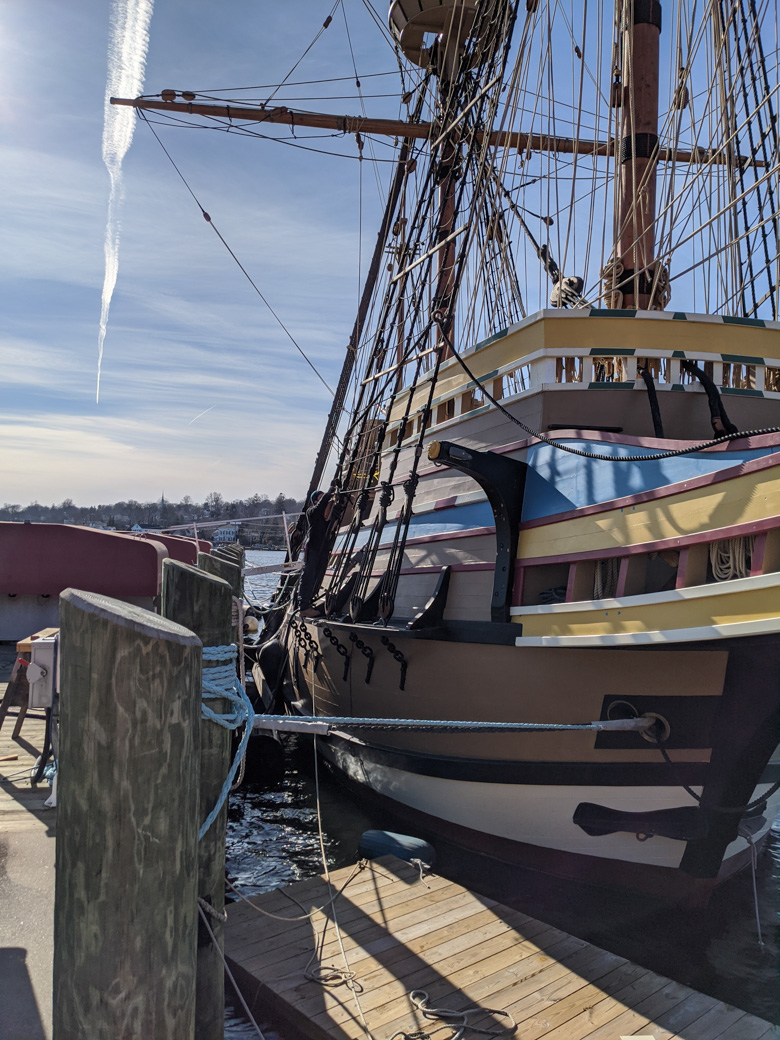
(201, 389)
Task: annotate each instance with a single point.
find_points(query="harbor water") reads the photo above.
(274, 840)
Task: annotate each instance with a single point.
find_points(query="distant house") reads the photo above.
(224, 535)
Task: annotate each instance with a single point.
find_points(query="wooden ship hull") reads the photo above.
(671, 633)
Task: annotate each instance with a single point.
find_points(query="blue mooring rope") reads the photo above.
(220, 682)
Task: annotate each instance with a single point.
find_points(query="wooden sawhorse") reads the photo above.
(17, 693)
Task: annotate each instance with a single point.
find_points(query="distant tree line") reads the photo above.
(122, 516)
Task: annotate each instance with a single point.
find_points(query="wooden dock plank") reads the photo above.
(397, 896)
(466, 952)
(385, 990)
(745, 1030)
(678, 1019)
(406, 926)
(719, 1021)
(358, 929)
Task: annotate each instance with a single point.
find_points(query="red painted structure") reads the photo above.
(44, 559)
(185, 550)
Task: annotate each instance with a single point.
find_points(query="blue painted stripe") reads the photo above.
(452, 520)
(558, 482)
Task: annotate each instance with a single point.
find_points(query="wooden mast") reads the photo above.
(638, 154)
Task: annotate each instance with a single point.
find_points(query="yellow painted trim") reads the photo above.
(741, 500)
(732, 603)
(571, 332)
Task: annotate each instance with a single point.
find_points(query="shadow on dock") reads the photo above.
(19, 1013)
(398, 933)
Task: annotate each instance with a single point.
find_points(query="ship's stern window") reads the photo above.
(568, 370)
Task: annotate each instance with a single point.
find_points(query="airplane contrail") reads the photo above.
(198, 416)
(128, 42)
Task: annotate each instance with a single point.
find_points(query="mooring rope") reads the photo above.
(217, 946)
(220, 682)
(312, 723)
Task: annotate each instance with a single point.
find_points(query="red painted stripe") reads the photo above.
(471, 532)
(452, 566)
(445, 503)
(435, 570)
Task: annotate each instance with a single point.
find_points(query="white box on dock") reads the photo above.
(42, 672)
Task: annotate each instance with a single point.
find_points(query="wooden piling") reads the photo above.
(125, 918)
(203, 603)
(230, 572)
(222, 568)
(229, 553)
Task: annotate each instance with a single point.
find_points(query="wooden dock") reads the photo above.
(27, 831)
(398, 933)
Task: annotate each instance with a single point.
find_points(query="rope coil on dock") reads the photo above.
(453, 1019)
(220, 682)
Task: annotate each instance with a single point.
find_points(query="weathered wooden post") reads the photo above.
(229, 553)
(203, 603)
(125, 916)
(230, 572)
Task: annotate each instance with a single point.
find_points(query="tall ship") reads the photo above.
(563, 516)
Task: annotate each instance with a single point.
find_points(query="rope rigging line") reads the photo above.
(472, 108)
(218, 947)
(317, 35)
(215, 93)
(469, 108)
(243, 270)
(363, 110)
(244, 130)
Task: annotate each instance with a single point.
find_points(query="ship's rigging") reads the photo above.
(524, 139)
